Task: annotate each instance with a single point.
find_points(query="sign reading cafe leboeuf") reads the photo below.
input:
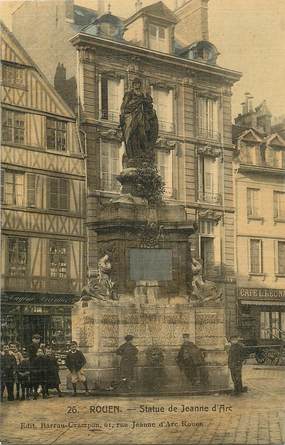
(261, 293)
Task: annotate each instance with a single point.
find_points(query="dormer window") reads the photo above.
(158, 38)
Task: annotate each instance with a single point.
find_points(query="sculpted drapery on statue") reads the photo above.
(139, 125)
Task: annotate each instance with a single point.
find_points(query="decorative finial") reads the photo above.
(109, 8)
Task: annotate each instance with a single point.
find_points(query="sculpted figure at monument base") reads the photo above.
(100, 285)
(203, 291)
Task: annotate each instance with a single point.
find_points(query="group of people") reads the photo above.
(35, 370)
(28, 372)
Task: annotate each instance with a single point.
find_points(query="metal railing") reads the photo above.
(209, 197)
(110, 115)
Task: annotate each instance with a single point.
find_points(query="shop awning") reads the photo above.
(263, 303)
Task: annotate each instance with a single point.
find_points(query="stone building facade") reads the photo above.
(260, 219)
(192, 97)
(43, 202)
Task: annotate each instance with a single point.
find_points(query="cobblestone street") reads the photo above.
(258, 417)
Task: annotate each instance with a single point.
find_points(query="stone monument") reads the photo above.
(146, 284)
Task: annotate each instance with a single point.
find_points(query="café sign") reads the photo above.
(261, 293)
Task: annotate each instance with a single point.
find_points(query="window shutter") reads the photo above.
(63, 194)
(31, 189)
(249, 206)
(281, 257)
(104, 97)
(2, 185)
(53, 193)
(275, 205)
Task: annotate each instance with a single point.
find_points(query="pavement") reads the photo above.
(256, 417)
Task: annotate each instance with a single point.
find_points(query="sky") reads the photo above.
(249, 34)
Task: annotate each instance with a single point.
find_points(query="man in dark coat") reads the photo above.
(34, 346)
(129, 358)
(8, 372)
(236, 356)
(53, 380)
(189, 358)
(75, 361)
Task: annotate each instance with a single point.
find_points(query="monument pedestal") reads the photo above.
(99, 327)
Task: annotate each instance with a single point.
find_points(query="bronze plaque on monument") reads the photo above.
(150, 264)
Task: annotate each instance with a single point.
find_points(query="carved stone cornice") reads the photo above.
(86, 54)
(210, 215)
(111, 74)
(110, 133)
(205, 92)
(208, 150)
(161, 85)
(165, 144)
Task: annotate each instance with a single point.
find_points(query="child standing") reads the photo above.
(53, 380)
(8, 371)
(75, 361)
(39, 374)
(13, 347)
(24, 369)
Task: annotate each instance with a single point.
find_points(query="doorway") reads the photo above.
(36, 324)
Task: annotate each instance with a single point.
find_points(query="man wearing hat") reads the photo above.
(34, 346)
(189, 358)
(129, 358)
(236, 356)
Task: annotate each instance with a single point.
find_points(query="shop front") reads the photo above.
(261, 315)
(23, 315)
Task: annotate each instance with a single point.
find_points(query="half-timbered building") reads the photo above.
(42, 194)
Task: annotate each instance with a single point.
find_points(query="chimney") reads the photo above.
(69, 5)
(138, 5)
(192, 23)
(101, 7)
(244, 108)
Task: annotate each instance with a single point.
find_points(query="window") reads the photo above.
(253, 202)
(208, 181)
(272, 325)
(13, 76)
(13, 126)
(58, 259)
(111, 96)
(279, 205)
(248, 154)
(158, 38)
(13, 183)
(276, 157)
(164, 166)
(111, 165)
(281, 257)
(256, 260)
(163, 104)
(208, 118)
(17, 256)
(207, 254)
(58, 189)
(56, 135)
